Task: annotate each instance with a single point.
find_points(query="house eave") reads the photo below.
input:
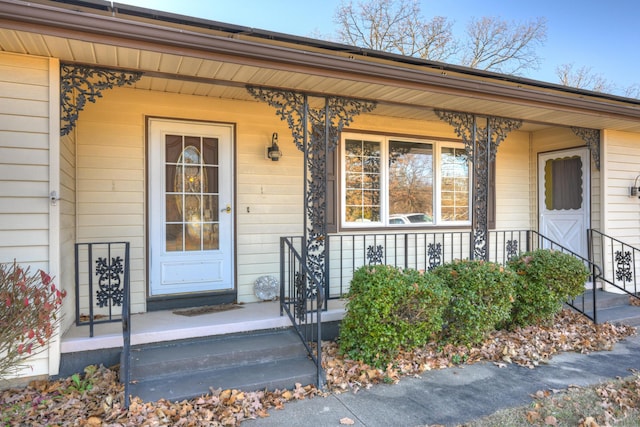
(264, 49)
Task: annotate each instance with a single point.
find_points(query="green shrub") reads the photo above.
(389, 309)
(481, 297)
(545, 279)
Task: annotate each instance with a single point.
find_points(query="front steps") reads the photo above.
(613, 308)
(178, 370)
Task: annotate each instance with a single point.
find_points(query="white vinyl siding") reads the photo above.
(513, 177)
(24, 169)
(622, 213)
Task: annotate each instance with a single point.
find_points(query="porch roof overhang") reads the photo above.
(198, 57)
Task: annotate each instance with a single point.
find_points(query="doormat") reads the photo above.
(197, 311)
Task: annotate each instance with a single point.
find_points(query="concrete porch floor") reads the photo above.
(157, 326)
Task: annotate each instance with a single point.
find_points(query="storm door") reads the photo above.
(190, 200)
(564, 197)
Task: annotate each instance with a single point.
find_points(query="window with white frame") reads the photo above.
(391, 181)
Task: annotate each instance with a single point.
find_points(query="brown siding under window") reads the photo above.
(332, 191)
(491, 194)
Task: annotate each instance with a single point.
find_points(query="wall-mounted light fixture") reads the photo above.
(274, 152)
(635, 189)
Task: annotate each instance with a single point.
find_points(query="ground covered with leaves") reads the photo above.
(96, 398)
(614, 403)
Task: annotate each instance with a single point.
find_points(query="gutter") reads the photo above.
(244, 46)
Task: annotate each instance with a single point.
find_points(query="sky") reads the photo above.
(603, 35)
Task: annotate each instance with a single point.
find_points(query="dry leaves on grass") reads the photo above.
(612, 403)
(58, 403)
(620, 399)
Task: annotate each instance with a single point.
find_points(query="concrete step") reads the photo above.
(612, 308)
(281, 374)
(605, 299)
(185, 369)
(217, 351)
(624, 315)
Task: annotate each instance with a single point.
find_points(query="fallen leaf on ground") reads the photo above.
(589, 422)
(57, 403)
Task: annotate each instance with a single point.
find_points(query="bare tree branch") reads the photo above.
(632, 91)
(494, 44)
(395, 26)
(583, 78)
(490, 43)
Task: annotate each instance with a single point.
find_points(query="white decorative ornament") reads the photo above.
(266, 288)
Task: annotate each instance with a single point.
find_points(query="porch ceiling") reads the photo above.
(203, 71)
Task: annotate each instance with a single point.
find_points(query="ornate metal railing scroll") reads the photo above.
(620, 263)
(87, 83)
(592, 138)
(434, 251)
(315, 132)
(106, 263)
(512, 249)
(481, 144)
(111, 291)
(624, 269)
(375, 254)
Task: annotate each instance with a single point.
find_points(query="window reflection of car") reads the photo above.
(412, 218)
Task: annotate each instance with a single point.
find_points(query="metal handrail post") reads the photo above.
(126, 328)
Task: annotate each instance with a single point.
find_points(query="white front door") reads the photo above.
(190, 200)
(563, 197)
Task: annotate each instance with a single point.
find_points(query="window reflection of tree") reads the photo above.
(410, 178)
(191, 202)
(363, 181)
(455, 184)
(191, 182)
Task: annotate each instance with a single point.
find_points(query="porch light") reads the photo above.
(635, 188)
(274, 152)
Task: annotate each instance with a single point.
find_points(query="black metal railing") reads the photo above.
(583, 304)
(425, 251)
(125, 370)
(302, 298)
(619, 262)
(102, 271)
(417, 250)
(105, 264)
(505, 245)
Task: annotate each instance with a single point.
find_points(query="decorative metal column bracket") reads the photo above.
(592, 138)
(290, 107)
(315, 132)
(463, 125)
(481, 144)
(88, 82)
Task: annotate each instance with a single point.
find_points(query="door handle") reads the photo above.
(227, 209)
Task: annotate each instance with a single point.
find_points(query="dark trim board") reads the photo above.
(172, 302)
(74, 363)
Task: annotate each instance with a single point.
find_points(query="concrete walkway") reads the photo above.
(457, 395)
